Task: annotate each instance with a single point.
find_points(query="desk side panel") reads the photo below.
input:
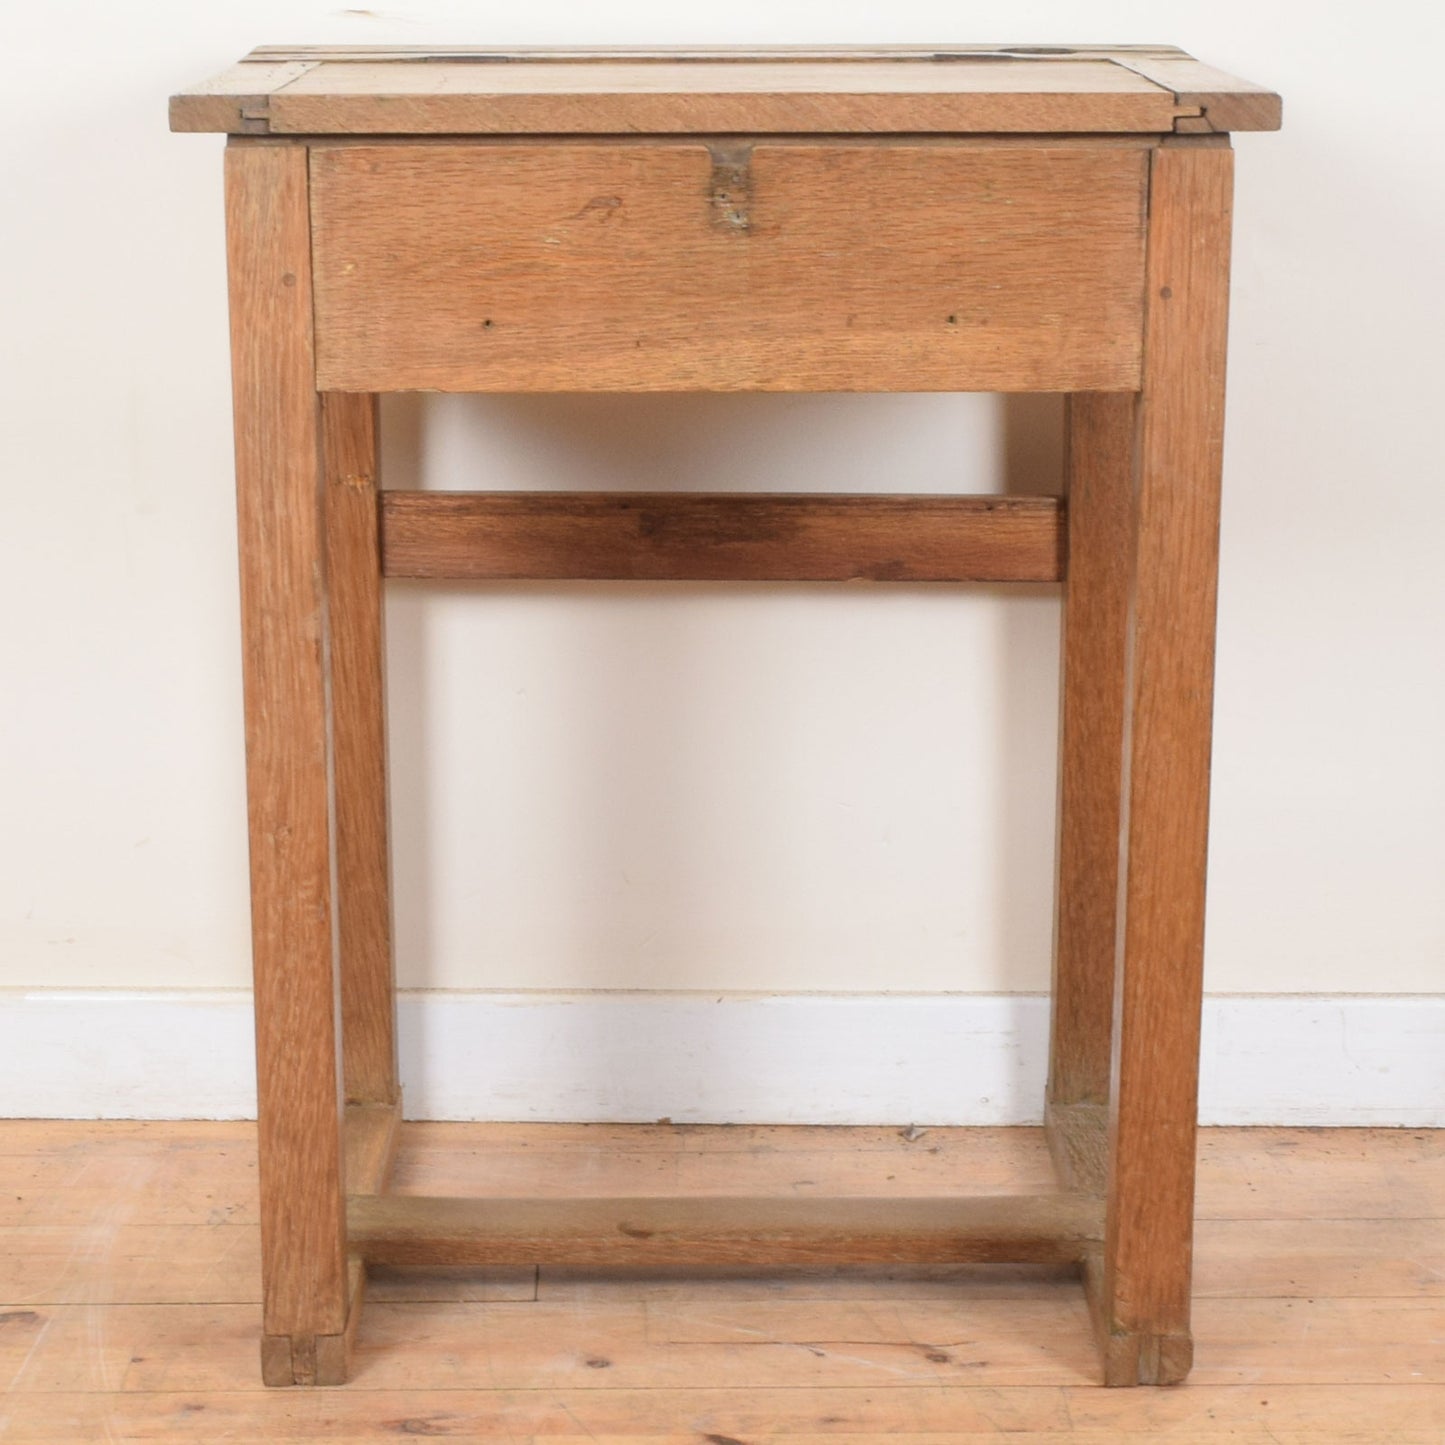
(637, 266)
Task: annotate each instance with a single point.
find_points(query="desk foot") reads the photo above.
(1131, 1359)
(316, 1359)
(303, 1360)
(1132, 1356)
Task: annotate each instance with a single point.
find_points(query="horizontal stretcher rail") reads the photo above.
(722, 1232)
(704, 537)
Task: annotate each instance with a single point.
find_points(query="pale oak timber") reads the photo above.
(945, 88)
(358, 705)
(236, 100)
(283, 614)
(348, 450)
(697, 1233)
(1224, 102)
(371, 1135)
(1078, 1136)
(618, 98)
(1141, 1286)
(676, 267)
(702, 537)
(1098, 478)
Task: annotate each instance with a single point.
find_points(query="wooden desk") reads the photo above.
(1039, 219)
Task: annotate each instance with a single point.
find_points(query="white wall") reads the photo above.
(761, 788)
(757, 788)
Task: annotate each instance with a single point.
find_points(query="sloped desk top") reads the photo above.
(366, 90)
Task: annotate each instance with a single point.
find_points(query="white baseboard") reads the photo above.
(704, 1058)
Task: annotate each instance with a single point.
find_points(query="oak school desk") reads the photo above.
(952, 218)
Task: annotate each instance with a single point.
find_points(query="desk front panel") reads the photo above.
(774, 265)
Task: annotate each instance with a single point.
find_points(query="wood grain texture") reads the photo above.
(1098, 479)
(128, 1261)
(397, 90)
(701, 537)
(358, 705)
(1078, 1136)
(1144, 1280)
(283, 611)
(70, 1174)
(619, 98)
(659, 1233)
(237, 99)
(769, 1371)
(1223, 102)
(670, 267)
(371, 1135)
(120, 1325)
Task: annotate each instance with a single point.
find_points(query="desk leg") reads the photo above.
(1099, 471)
(358, 721)
(283, 618)
(1141, 1283)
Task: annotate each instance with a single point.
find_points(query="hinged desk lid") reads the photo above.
(379, 90)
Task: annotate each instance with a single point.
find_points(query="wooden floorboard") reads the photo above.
(129, 1304)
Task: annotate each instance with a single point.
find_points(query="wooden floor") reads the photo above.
(128, 1300)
